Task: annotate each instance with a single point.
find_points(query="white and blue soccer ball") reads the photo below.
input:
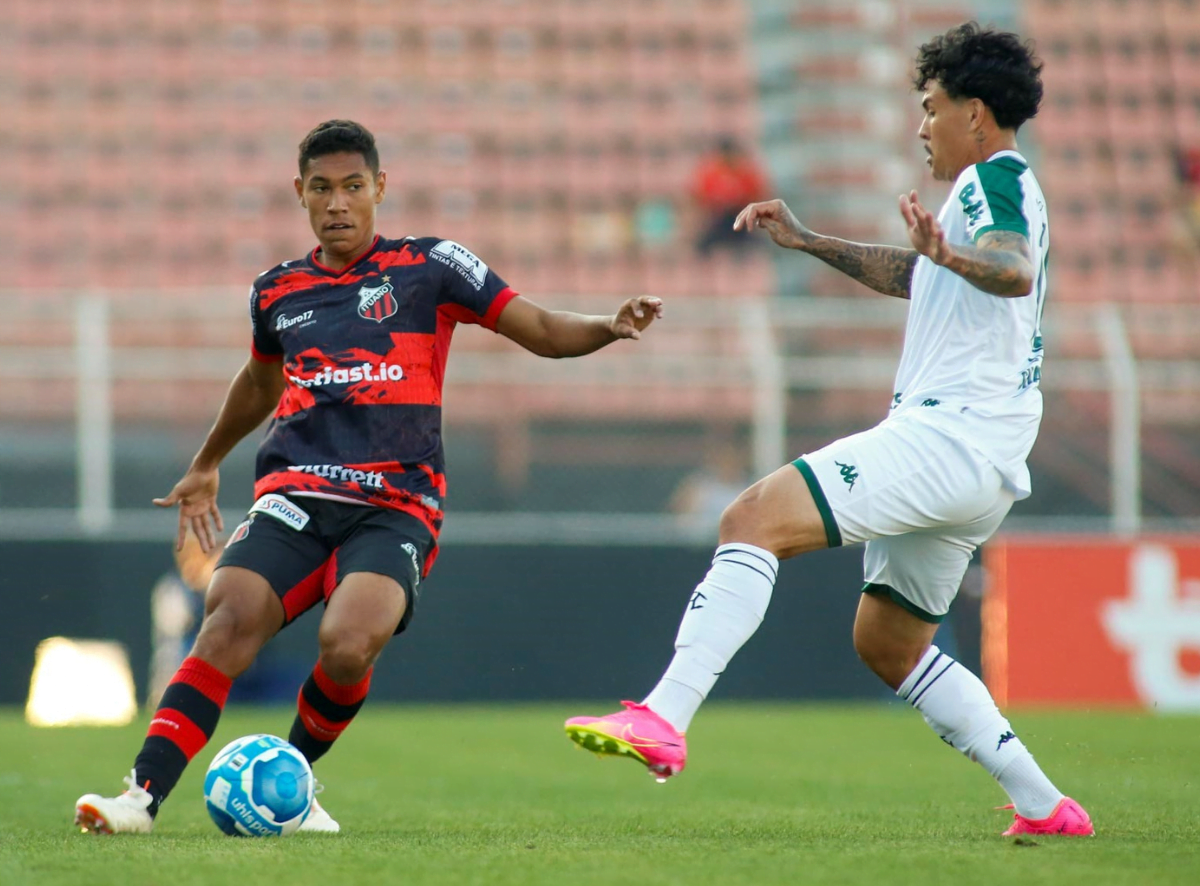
(258, 786)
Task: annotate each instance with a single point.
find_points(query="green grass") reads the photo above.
(774, 794)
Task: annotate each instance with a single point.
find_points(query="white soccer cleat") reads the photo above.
(126, 814)
(319, 821)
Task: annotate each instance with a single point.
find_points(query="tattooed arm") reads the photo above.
(1000, 262)
(886, 269)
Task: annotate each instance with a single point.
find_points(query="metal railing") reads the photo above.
(758, 351)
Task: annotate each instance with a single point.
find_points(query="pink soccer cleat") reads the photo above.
(1068, 819)
(635, 732)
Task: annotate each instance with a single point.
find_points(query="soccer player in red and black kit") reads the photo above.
(349, 352)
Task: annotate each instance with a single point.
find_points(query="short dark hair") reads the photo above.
(996, 67)
(336, 137)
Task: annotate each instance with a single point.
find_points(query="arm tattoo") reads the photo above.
(1001, 263)
(886, 269)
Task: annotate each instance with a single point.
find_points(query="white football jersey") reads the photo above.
(972, 361)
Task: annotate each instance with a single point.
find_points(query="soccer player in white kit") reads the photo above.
(930, 483)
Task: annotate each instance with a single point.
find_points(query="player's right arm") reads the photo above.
(886, 269)
(253, 395)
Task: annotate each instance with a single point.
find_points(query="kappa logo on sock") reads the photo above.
(695, 602)
(1008, 736)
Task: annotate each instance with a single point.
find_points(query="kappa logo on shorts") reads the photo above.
(377, 302)
(282, 510)
(849, 474)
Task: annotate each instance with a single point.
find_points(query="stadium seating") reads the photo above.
(550, 111)
(1119, 88)
(153, 145)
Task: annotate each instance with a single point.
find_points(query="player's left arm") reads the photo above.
(1000, 262)
(567, 334)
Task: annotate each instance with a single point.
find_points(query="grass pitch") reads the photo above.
(781, 794)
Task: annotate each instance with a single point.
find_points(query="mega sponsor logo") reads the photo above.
(283, 510)
(457, 256)
(288, 322)
(370, 479)
(350, 375)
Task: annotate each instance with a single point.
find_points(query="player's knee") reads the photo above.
(742, 519)
(230, 637)
(347, 656)
(891, 662)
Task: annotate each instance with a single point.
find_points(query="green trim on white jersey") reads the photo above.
(973, 360)
(993, 199)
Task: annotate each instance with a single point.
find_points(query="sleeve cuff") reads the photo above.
(1015, 227)
(496, 308)
(264, 358)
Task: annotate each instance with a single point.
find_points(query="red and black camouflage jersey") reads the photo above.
(364, 356)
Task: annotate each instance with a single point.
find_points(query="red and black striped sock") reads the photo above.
(325, 709)
(184, 722)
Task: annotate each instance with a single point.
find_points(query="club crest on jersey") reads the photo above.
(377, 302)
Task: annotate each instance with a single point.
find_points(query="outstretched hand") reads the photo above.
(927, 236)
(774, 217)
(635, 315)
(196, 495)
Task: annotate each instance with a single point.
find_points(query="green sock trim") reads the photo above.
(833, 535)
(894, 595)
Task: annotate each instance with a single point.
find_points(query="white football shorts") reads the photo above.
(922, 499)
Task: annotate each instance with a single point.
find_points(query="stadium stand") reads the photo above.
(531, 130)
(153, 143)
(1122, 85)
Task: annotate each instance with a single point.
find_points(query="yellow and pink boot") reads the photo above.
(635, 732)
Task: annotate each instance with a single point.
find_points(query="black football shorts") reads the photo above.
(304, 547)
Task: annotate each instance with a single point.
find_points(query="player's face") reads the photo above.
(947, 130)
(340, 193)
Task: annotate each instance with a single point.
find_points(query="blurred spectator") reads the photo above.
(724, 182)
(601, 230)
(176, 609)
(654, 224)
(1187, 224)
(702, 496)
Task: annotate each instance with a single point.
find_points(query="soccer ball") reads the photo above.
(258, 786)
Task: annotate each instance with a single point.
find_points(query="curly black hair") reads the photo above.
(335, 137)
(995, 67)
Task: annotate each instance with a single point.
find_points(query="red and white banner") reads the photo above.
(1082, 620)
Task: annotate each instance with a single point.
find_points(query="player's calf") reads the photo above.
(324, 709)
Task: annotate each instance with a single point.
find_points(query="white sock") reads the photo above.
(956, 704)
(722, 614)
